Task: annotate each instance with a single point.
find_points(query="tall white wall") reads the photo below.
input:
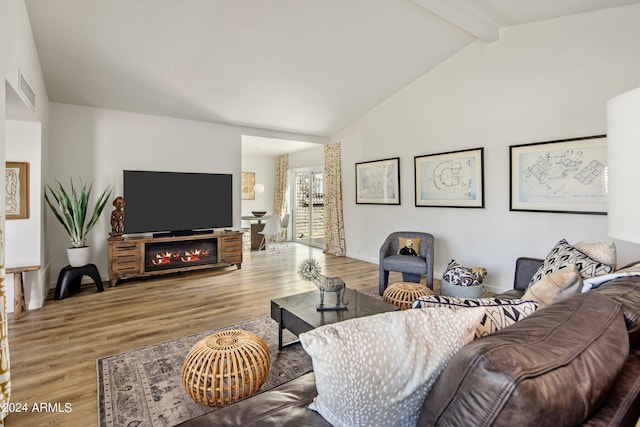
(18, 55)
(23, 145)
(544, 81)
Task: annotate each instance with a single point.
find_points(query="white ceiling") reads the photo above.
(303, 66)
(260, 146)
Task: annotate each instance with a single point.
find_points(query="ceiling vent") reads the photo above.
(25, 90)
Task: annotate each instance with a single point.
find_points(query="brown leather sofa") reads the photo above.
(576, 362)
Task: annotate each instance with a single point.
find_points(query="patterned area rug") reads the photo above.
(143, 387)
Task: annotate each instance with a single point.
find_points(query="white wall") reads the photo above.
(18, 54)
(307, 158)
(543, 81)
(265, 169)
(98, 144)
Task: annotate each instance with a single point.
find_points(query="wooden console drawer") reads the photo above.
(231, 249)
(125, 250)
(123, 268)
(127, 256)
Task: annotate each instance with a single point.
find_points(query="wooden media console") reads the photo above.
(140, 256)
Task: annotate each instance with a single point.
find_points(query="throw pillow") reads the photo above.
(377, 370)
(604, 252)
(456, 274)
(555, 287)
(563, 255)
(500, 313)
(409, 246)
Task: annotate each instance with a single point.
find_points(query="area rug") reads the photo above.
(143, 387)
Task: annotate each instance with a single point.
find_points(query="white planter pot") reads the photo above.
(79, 257)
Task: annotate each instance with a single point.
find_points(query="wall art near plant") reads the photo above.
(452, 179)
(565, 176)
(378, 182)
(248, 184)
(16, 202)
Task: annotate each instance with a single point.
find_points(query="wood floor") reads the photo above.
(54, 349)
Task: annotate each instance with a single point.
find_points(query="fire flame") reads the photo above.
(167, 257)
(194, 255)
(163, 258)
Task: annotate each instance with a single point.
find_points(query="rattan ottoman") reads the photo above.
(402, 294)
(225, 367)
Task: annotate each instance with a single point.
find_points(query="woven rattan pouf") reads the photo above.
(402, 294)
(225, 367)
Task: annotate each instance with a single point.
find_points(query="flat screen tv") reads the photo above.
(176, 202)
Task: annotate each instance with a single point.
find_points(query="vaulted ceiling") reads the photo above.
(303, 66)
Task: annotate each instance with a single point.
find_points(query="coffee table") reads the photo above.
(298, 314)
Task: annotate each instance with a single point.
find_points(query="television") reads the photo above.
(176, 203)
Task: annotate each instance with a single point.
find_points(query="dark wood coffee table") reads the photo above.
(298, 314)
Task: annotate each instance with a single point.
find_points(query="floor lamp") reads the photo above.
(623, 159)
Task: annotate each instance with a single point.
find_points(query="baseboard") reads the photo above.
(362, 258)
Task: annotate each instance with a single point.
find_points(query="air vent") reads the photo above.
(26, 91)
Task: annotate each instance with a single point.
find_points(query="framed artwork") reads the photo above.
(378, 182)
(454, 179)
(564, 176)
(248, 184)
(16, 202)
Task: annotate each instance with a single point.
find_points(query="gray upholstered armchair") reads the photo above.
(411, 267)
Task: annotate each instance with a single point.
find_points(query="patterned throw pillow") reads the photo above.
(409, 246)
(563, 255)
(377, 370)
(456, 274)
(500, 313)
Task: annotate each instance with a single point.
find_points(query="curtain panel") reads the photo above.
(280, 184)
(333, 219)
(5, 377)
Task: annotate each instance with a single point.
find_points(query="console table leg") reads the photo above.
(18, 289)
(19, 304)
(280, 327)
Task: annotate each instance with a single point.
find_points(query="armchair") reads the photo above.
(408, 265)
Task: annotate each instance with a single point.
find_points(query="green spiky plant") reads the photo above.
(71, 208)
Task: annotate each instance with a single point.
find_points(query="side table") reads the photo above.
(70, 278)
(19, 304)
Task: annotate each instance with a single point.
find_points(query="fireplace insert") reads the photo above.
(179, 254)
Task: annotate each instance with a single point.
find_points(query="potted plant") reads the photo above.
(71, 208)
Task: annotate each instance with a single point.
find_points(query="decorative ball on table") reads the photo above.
(225, 367)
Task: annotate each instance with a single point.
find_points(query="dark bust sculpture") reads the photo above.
(117, 219)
